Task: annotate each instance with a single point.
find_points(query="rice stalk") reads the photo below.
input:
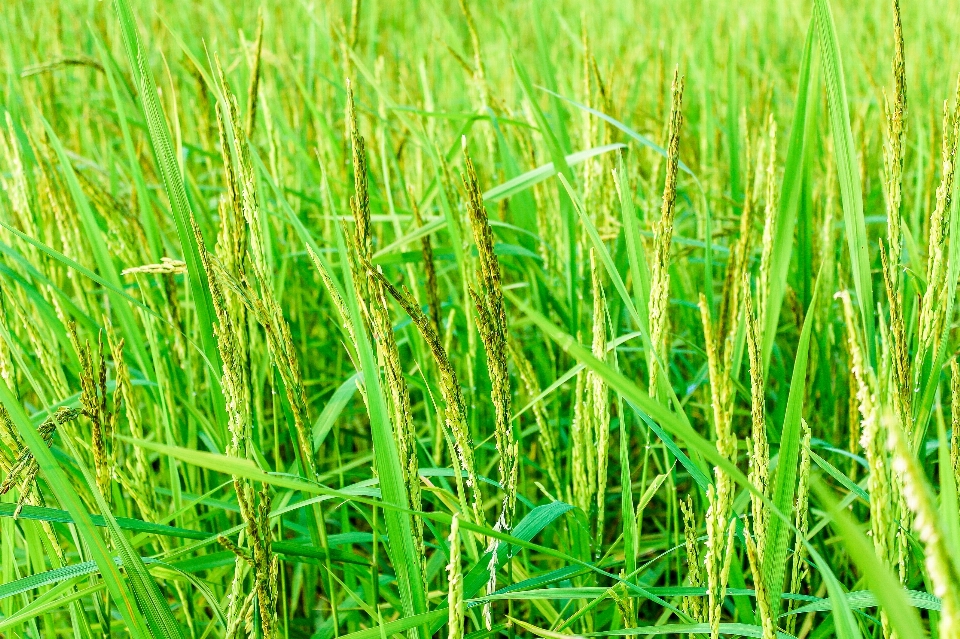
(926, 523)
(730, 302)
(257, 532)
(893, 159)
(882, 481)
(759, 462)
(462, 454)
(764, 603)
(955, 422)
(583, 456)
(22, 466)
(263, 305)
(253, 89)
(547, 437)
(166, 266)
(800, 570)
(932, 310)
(663, 235)
(492, 324)
(429, 266)
(455, 580)
(759, 449)
(22, 470)
(720, 494)
(404, 429)
(478, 73)
(599, 397)
(769, 220)
(93, 400)
(124, 398)
(692, 605)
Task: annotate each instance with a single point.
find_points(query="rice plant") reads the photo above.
(354, 320)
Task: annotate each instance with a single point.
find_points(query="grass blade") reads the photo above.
(536, 176)
(851, 191)
(779, 532)
(166, 161)
(791, 197)
(883, 583)
(567, 215)
(98, 244)
(639, 137)
(63, 488)
(335, 405)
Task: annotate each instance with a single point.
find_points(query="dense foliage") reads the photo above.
(479, 319)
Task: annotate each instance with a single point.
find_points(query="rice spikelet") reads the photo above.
(720, 494)
(663, 236)
(882, 482)
(692, 605)
(800, 571)
(454, 407)
(893, 156)
(492, 324)
(599, 397)
(455, 580)
(547, 438)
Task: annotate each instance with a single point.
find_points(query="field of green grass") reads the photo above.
(472, 320)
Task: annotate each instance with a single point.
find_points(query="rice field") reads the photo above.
(356, 320)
